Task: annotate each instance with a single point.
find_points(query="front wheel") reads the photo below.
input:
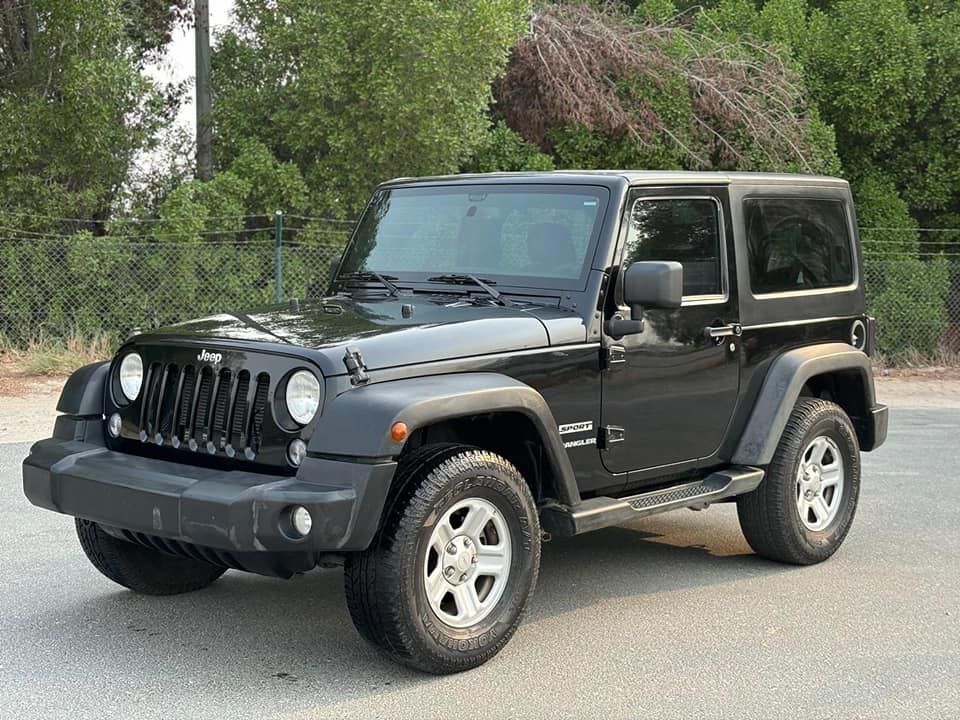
(444, 584)
(803, 509)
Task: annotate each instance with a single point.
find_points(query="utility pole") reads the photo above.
(201, 12)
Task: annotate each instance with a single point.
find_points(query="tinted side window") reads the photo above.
(797, 244)
(686, 230)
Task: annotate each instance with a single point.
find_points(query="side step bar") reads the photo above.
(601, 512)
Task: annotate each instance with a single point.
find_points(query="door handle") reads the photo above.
(715, 333)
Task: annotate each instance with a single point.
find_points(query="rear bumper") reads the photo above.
(227, 510)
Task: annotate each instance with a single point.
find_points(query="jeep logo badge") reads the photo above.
(207, 356)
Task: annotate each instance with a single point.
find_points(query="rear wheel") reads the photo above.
(444, 584)
(142, 569)
(804, 507)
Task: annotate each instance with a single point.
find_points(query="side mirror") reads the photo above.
(651, 285)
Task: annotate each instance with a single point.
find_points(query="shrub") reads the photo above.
(907, 296)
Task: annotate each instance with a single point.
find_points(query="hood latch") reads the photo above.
(356, 368)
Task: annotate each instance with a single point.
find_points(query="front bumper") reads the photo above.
(240, 516)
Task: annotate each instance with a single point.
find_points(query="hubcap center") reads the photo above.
(812, 481)
(460, 560)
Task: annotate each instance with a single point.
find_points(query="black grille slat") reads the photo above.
(238, 421)
(144, 409)
(188, 387)
(168, 399)
(201, 417)
(259, 408)
(152, 389)
(221, 408)
(157, 402)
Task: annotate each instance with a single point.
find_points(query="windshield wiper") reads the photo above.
(464, 279)
(370, 276)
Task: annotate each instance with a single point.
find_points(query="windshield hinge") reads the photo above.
(356, 368)
(612, 356)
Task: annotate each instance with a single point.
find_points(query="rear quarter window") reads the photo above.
(797, 244)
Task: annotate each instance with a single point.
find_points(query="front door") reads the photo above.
(669, 392)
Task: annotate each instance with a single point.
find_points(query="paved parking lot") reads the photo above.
(670, 617)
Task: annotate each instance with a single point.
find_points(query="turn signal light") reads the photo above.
(399, 431)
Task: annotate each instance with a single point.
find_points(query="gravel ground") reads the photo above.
(669, 617)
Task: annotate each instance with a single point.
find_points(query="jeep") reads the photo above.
(498, 359)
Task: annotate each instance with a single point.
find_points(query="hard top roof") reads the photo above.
(633, 177)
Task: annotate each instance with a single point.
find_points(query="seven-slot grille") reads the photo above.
(205, 408)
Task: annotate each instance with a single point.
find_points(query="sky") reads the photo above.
(178, 62)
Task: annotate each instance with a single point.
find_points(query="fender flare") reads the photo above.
(357, 422)
(81, 405)
(83, 393)
(781, 388)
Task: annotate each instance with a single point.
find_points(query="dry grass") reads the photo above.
(945, 363)
(53, 357)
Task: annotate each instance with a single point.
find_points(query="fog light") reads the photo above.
(296, 452)
(301, 521)
(113, 425)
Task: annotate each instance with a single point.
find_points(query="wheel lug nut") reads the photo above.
(449, 571)
(463, 577)
(452, 549)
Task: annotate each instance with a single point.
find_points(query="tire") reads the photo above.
(794, 516)
(386, 586)
(142, 569)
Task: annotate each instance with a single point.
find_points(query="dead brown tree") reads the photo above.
(598, 68)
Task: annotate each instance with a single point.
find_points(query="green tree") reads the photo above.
(150, 23)
(865, 65)
(74, 112)
(503, 150)
(926, 163)
(352, 93)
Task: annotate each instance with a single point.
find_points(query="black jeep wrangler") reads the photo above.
(499, 358)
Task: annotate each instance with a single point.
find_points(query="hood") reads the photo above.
(438, 328)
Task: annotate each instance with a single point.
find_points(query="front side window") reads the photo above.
(685, 230)
(797, 244)
(525, 235)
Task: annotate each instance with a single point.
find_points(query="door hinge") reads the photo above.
(611, 435)
(612, 356)
(357, 369)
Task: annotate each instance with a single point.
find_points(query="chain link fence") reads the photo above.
(912, 281)
(56, 287)
(66, 286)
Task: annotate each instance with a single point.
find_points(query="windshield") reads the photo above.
(540, 236)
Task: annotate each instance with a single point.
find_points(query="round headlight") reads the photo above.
(303, 396)
(131, 375)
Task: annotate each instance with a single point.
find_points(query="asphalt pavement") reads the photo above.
(668, 617)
